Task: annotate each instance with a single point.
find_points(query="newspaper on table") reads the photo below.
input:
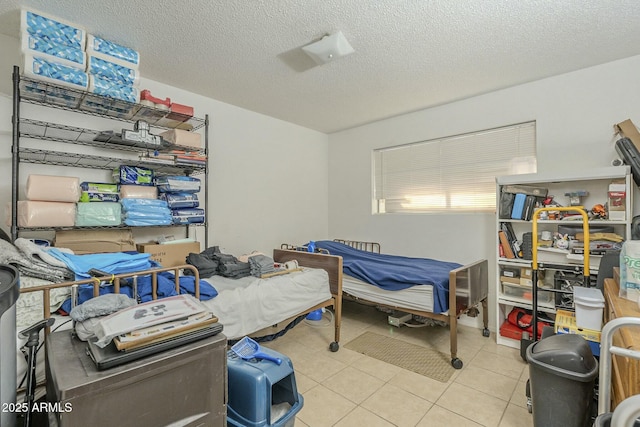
(169, 312)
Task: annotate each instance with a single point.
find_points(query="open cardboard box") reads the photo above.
(169, 254)
(628, 129)
(97, 241)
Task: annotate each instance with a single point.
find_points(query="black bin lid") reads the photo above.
(565, 351)
(9, 287)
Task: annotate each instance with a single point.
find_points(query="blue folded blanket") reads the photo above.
(113, 263)
(166, 288)
(393, 272)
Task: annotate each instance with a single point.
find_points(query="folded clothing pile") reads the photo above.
(33, 260)
(261, 264)
(88, 314)
(211, 262)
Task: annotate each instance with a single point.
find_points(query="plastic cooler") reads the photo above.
(260, 392)
(9, 293)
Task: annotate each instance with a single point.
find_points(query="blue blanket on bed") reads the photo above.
(393, 272)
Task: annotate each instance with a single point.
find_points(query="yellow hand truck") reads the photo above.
(526, 342)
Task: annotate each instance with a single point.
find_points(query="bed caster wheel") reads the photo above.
(334, 346)
(486, 332)
(456, 363)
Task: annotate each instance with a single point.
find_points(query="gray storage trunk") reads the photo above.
(185, 386)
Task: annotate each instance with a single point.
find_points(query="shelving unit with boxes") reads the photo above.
(56, 143)
(607, 192)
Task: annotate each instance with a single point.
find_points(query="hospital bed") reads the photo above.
(250, 304)
(243, 306)
(443, 293)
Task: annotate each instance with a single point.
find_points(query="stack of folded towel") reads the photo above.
(260, 264)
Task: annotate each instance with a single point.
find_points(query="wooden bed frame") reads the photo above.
(468, 287)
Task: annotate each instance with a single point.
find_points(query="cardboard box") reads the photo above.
(506, 279)
(169, 254)
(566, 324)
(525, 276)
(628, 129)
(183, 138)
(96, 241)
(617, 201)
(511, 272)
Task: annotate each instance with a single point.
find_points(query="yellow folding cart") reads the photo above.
(526, 342)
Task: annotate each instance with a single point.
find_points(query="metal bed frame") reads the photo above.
(115, 280)
(333, 266)
(468, 287)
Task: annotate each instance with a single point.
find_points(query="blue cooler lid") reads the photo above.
(9, 287)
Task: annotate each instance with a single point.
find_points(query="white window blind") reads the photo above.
(453, 173)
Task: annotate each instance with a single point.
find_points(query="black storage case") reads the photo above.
(629, 153)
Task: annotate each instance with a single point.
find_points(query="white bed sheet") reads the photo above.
(416, 297)
(249, 304)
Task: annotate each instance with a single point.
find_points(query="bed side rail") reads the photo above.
(292, 247)
(332, 264)
(114, 279)
(361, 245)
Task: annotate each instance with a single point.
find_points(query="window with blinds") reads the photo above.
(455, 173)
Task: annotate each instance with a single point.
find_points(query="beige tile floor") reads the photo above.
(348, 389)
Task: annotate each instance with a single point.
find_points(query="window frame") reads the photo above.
(419, 175)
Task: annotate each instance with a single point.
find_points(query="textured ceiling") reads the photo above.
(409, 54)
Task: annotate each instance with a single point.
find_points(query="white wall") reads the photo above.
(574, 112)
(268, 180)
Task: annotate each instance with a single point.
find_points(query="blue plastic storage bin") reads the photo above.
(256, 387)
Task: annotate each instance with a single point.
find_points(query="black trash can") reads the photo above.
(9, 293)
(562, 374)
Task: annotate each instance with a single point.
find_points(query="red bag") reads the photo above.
(524, 320)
